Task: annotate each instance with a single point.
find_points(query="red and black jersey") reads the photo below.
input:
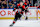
(22, 8)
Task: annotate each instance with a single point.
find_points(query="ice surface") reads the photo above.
(22, 23)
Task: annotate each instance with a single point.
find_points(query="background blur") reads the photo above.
(8, 4)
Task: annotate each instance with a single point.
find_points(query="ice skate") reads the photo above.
(11, 24)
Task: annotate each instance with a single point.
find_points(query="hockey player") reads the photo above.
(19, 13)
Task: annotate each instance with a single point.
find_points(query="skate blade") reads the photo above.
(10, 26)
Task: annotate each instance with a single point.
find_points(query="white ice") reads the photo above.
(20, 23)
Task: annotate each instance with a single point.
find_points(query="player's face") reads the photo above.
(21, 3)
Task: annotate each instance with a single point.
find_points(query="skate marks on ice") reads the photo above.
(27, 23)
(22, 23)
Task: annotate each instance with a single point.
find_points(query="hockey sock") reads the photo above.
(13, 22)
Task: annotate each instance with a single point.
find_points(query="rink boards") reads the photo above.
(33, 13)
